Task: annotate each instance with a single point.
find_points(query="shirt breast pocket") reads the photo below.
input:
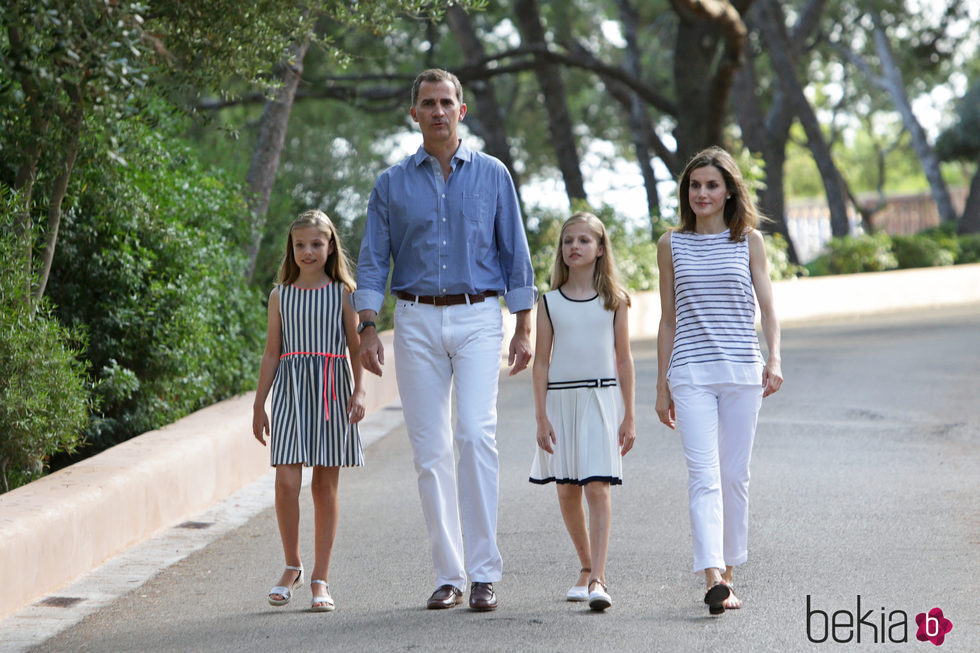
(478, 218)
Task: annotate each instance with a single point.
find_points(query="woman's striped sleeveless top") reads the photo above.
(715, 339)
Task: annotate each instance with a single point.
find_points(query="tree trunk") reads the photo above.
(489, 116)
(268, 148)
(767, 135)
(27, 171)
(970, 220)
(73, 125)
(639, 120)
(771, 24)
(549, 79)
(704, 87)
(895, 86)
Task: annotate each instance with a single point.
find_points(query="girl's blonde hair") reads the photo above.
(604, 275)
(337, 266)
(741, 214)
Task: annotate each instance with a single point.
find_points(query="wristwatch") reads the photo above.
(364, 325)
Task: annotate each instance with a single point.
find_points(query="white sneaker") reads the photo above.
(599, 598)
(578, 593)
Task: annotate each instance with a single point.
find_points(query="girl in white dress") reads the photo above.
(583, 394)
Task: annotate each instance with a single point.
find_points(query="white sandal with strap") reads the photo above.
(286, 592)
(599, 598)
(321, 603)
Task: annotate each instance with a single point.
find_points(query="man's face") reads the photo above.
(438, 112)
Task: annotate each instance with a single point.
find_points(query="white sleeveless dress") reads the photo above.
(584, 402)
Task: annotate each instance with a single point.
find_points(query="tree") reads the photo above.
(924, 49)
(553, 92)
(961, 141)
(768, 15)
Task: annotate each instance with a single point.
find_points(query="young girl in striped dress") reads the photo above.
(316, 400)
(583, 394)
(711, 375)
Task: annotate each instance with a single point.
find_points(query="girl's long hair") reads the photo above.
(741, 214)
(605, 275)
(337, 266)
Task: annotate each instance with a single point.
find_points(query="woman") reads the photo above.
(711, 375)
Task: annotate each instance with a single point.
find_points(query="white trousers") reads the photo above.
(717, 424)
(439, 349)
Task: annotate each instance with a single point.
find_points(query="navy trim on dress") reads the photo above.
(612, 480)
(582, 383)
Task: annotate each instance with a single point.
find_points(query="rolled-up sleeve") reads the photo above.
(515, 257)
(374, 258)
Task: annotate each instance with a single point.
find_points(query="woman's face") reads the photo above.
(707, 192)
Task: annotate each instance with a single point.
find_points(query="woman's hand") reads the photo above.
(665, 407)
(627, 435)
(546, 436)
(772, 377)
(260, 424)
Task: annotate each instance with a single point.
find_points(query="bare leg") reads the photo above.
(573, 512)
(712, 576)
(289, 480)
(600, 521)
(732, 602)
(324, 490)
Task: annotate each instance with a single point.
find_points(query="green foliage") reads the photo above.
(932, 247)
(44, 401)
(151, 265)
(636, 254)
(780, 266)
(969, 248)
(852, 254)
(919, 252)
(962, 139)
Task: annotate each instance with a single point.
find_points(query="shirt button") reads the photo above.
(443, 242)
(444, 219)
(444, 267)
(443, 196)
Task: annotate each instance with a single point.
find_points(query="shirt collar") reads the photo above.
(463, 153)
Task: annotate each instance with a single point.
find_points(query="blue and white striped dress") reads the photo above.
(313, 383)
(715, 340)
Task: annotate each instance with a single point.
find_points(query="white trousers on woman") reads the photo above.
(717, 424)
(439, 349)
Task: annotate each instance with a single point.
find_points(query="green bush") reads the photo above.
(852, 254)
(945, 236)
(920, 251)
(780, 266)
(636, 253)
(151, 265)
(44, 401)
(969, 248)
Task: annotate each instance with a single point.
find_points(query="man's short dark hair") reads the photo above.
(436, 75)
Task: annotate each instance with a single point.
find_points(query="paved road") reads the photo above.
(864, 484)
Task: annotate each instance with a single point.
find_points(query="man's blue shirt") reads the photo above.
(461, 235)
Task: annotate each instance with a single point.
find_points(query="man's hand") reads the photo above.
(372, 351)
(520, 352)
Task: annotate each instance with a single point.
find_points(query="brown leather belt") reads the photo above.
(445, 300)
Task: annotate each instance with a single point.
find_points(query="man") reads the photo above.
(447, 221)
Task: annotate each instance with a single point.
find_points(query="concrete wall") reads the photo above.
(63, 525)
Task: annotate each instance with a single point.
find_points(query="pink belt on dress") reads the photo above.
(327, 374)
